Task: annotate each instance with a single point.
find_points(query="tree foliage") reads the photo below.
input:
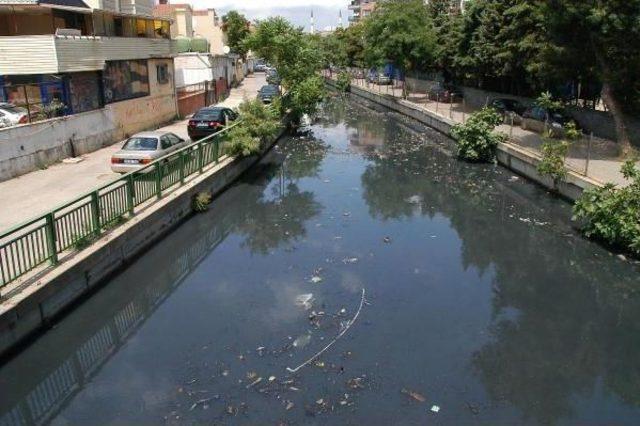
(476, 140)
(237, 29)
(298, 60)
(611, 214)
(400, 32)
(258, 124)
(602, 39)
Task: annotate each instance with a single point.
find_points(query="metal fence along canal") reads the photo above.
(75, 224)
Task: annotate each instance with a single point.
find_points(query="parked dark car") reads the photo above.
(535, 117)
(273, 77)
(505, 106)
(378, 78)
(268, 93)
(443, 93)
(209, 120)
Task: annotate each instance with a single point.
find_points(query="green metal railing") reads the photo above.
(75, 224)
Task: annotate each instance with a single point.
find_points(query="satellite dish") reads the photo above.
(226, 50)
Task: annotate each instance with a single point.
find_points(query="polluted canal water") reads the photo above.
(409, 287)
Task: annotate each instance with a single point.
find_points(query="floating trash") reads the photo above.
(435, 408)
(350, 260)
(316, 279)
(302, 341)
(414, 199)
(413, 395)
(304, 300)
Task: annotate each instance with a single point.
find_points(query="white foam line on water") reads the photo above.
(355, 317)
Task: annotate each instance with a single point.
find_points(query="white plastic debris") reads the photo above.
(316, 279)
(302, 341)
(435, 408)
(304, 300)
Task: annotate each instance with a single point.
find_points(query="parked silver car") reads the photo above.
(143, 148)
(11, 115)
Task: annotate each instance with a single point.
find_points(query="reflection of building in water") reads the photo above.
(366, 139)
(38, 397)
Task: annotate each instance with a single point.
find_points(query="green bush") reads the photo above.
(257, 124)
(201, 202)
(241, 143)
(611, 214)
(554, 153)
(344, 81)
(475, 140)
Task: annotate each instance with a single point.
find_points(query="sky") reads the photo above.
(325, 12)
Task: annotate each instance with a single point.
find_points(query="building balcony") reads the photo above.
(52, 54)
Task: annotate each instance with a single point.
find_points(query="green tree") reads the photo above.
(602, 38)
(298, 60)
(237, 29)
(402, 33)
(501, 44)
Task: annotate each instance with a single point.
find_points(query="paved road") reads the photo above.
(35, 193)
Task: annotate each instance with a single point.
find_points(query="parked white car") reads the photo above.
(143, 148)
(11, 115)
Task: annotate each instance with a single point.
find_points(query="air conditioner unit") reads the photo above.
(68, 32)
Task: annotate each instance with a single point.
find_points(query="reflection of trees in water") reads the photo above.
(303, 157)
(578, 315)
(269, 220)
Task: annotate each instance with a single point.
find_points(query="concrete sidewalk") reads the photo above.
(35, 193)
(598, 159)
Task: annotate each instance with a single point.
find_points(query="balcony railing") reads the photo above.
(51, 54)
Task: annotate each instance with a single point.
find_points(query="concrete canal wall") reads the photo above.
(509, 155)
(36, 304)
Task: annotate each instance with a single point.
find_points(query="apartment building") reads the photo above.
(105, 71)
(361, 9)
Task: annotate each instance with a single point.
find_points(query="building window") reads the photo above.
(162, 71)
(125, 80)
(84, 91)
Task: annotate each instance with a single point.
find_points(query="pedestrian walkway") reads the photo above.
(37, 192)
(593, 157)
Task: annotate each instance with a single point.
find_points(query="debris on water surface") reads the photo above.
(302, 341)
(316, 279)
(231, 410)
(435, 408)
(225, 373)
(335, 339)
(251, 375)
(272, 378)
(350, 260)
(414, 199)
(255, 382)
(387, 240)
(356, 383)
(414, 395)
(304, 300)
(289, 405)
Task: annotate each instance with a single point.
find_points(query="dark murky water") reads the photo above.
(482, 300)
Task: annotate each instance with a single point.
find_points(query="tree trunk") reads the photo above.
(610, 100)
(618, 118)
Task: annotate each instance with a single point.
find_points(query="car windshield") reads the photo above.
(208, 114)
(13, 109)
(141, 144)
(269, 90)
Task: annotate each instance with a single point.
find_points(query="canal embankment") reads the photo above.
(515, 158)
(32, 305)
